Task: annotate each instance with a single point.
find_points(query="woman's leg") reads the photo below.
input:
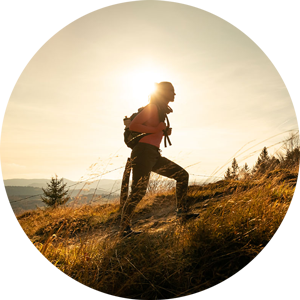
(166, 167)
(143, 158)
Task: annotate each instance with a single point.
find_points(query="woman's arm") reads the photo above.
(149, 112)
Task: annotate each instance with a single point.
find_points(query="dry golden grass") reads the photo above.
(169, 259)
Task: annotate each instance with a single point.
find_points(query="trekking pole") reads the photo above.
(125, 183)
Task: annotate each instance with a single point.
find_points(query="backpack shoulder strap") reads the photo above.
(166, 136)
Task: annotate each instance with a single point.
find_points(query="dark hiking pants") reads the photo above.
(146, 158)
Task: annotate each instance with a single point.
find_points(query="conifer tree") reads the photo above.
(264, 155)
(232, 173)
(263, 161)
(55, 194)
(235, 168)
(228, 174)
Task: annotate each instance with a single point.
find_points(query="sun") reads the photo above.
(144, 85)
(141, 83)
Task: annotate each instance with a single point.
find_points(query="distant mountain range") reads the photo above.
(102, 184)
(31, 189)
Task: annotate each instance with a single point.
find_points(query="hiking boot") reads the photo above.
(129, 232)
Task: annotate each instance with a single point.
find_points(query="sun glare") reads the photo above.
(141, 83)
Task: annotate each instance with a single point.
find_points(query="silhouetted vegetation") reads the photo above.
(56, 193)
(238, 217)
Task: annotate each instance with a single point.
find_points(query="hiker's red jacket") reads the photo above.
(147, 121)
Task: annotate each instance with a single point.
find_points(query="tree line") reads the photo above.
(289, 158)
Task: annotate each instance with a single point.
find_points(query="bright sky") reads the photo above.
(65, 113)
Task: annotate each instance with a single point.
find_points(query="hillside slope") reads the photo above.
(170, 258)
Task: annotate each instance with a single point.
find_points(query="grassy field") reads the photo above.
(238, 217)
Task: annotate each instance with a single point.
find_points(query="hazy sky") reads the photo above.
(66, 110)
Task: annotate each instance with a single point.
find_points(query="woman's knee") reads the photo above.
(182, 176)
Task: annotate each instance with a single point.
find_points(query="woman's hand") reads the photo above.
(169, 132)
(161, 126)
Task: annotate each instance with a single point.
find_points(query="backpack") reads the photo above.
(131, 138)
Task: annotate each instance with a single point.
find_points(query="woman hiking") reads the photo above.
(146, 157)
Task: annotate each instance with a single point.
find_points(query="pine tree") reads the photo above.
(264, 155)
(55, 194)
(232, 173)
(235, 168)
(263, 161)
(227, 174)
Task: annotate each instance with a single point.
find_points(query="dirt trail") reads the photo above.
(153, 214)
(157, 217)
